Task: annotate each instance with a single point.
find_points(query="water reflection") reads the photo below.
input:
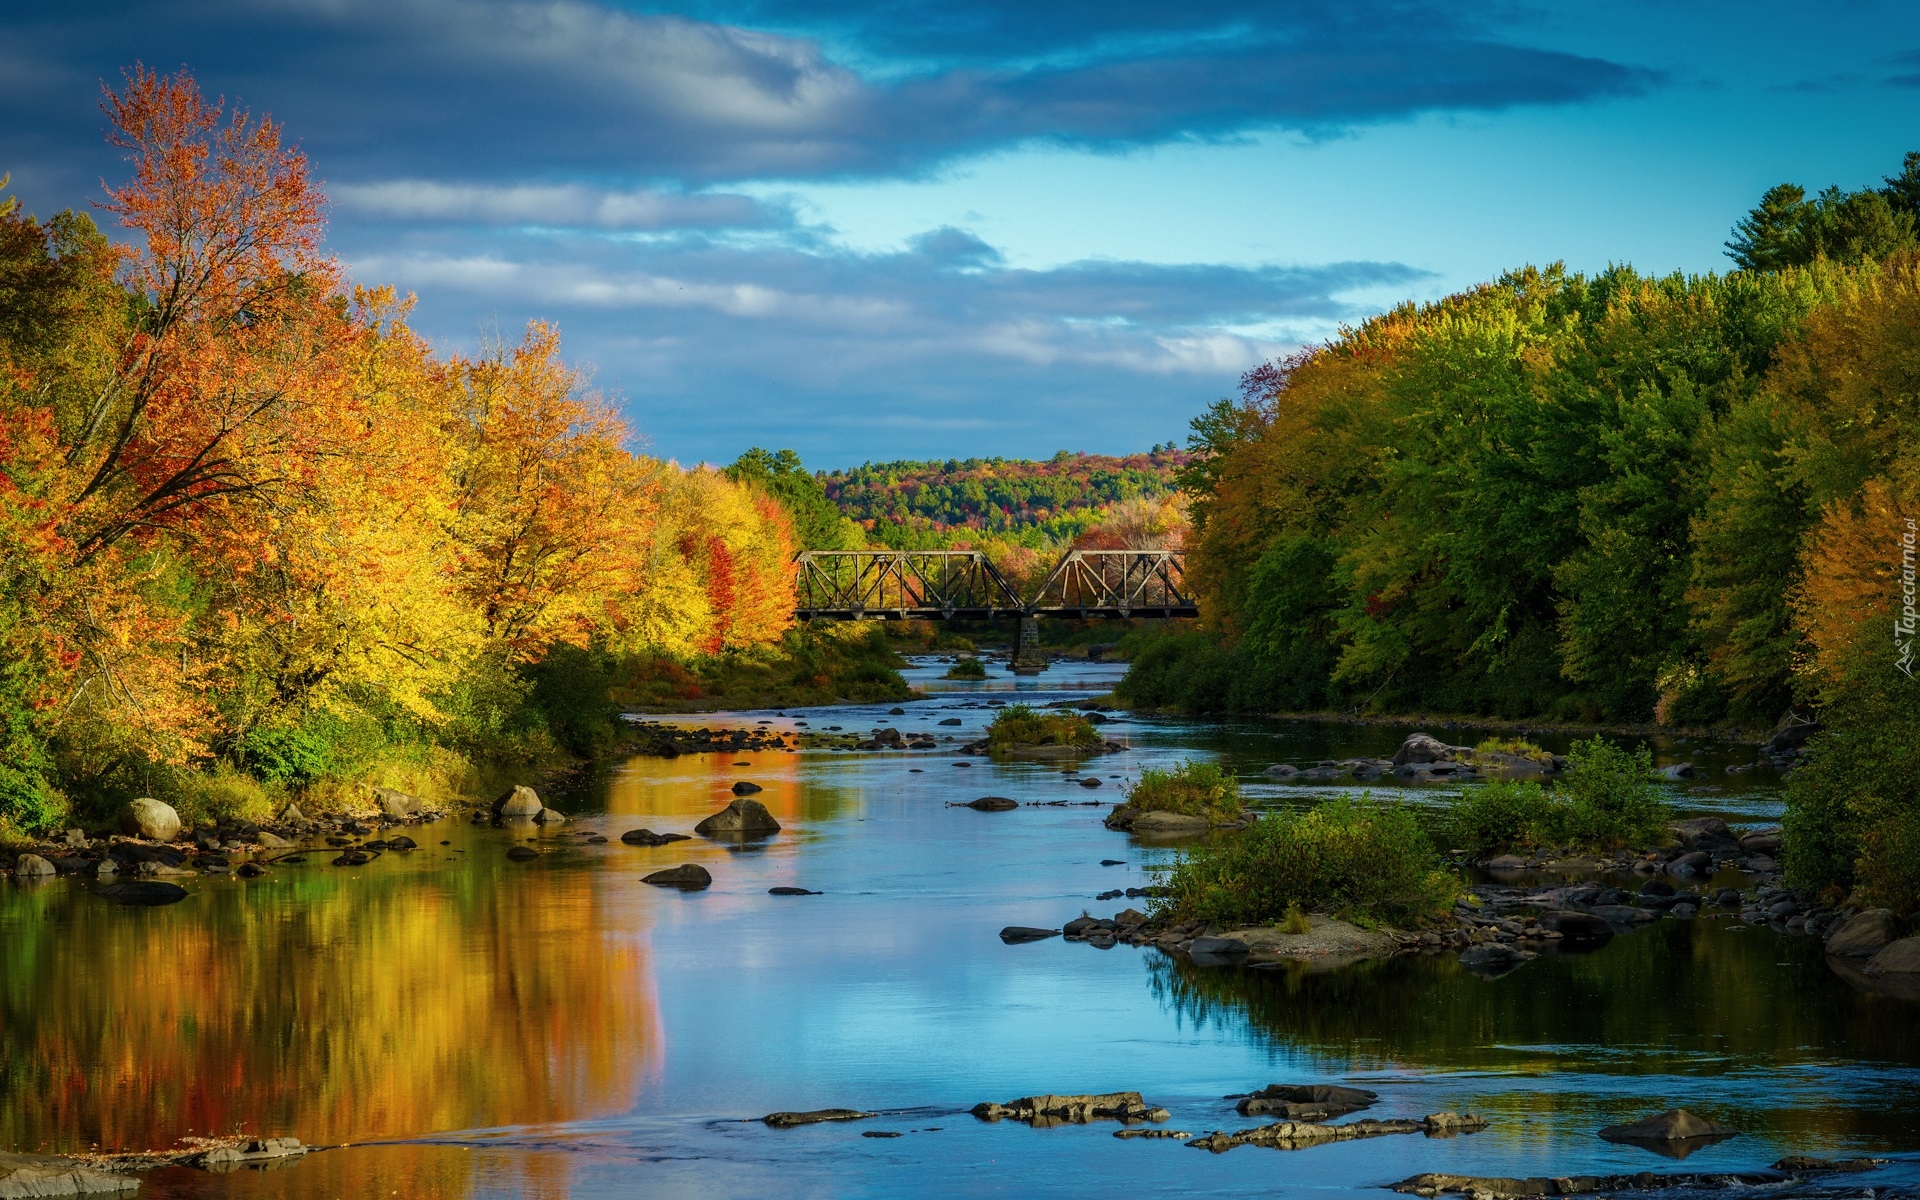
(339, 1005)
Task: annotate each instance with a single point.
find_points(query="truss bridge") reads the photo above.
(849, 585)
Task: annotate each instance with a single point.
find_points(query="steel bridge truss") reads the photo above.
(942, 584)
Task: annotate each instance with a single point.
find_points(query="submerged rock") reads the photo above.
(790, 891)
(1072, 1110)
(787, 1120)
(142, 892)
(1295, 1135)
(522, 853)
(742, 818)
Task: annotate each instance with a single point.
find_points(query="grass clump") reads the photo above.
(1362, 860)
(1019, 725)
(1607, 801)
(1295, 922)
(967, 668)
(1519, 747)
(1197, 789)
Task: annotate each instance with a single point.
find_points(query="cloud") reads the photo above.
(570, 205)
(551, 90)
(717, 346)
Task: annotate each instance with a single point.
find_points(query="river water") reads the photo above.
(473, 1027)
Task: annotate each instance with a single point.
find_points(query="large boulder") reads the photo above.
(1577, 928)
(1705, 833)
(1900, 958)
(397, 805)
(1865, 934)
(522, 803)
(32, 866)
(1423, 748)
(150, 819)
(742, 818)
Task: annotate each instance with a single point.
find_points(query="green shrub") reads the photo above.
(1852, 827)
(1018, 725)
(221, 792)
(1360, 860)
(1500, 816)
(1198, 789)
(1612, 799)
(1519, 747)
(967, 668)
(573, 689)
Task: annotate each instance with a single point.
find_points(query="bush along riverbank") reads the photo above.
(1519, 866)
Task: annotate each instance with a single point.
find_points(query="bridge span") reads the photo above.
(940, 585)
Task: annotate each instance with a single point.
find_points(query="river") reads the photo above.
(469, 1026)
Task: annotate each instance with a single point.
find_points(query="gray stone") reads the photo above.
(1865, 934)
(687, 877)
(247, 1153)
(787, 1120)
(31, 1175)
(1900, 958)
(993, 804)
(1674, 1125)
(742, 818)
(1205, 950)
(32, 866)
(1423, 748)
(1694, 862)
(522, 802)
(151, 819)
(1015, 934)
(647, 837)
(1491, 958)
(272, 841)
(1761, 841)
(743, 788)
(397, 805)
(1705, 833)
(550, 816)
(1676, 771)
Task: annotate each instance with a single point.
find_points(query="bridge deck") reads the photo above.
(851, 585)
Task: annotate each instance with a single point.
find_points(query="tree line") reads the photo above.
(1595, 498)
(256, 530)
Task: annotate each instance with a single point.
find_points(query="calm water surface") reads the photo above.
(474, 1027)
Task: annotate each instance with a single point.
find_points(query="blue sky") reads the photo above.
(922, 228)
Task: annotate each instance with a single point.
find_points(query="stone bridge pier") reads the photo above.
(1028, 657)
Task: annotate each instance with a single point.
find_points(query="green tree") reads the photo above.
(817, 522)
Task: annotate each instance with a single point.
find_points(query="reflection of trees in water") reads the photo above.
(332, 1005)
(1675, 999)
(694, 785)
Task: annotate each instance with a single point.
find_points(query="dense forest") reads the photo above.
(930, 505)
(256, 534)
(1595, 498)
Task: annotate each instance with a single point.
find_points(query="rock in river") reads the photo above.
(149, 819)
(787, 1120)
(522, 802)
(647, 837)
(1864, 934)
(1674, 1125)
(143, 892)
(992, 804)
(1076, 1110)
(1305, 1101)
(688, 877)
(790, 891)
(32, 866)
(522, 853)
(1015, 934)
(1900, 958)
(33, 1175)
(743, 788)
(742, 818)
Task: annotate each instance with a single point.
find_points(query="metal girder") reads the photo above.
(941, 584)
(1117, 583)
(933, 584)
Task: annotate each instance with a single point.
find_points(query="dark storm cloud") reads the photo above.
(462, 89)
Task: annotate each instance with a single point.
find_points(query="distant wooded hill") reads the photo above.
(912, 505)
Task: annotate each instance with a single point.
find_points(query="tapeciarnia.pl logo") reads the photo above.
(1905, 624)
